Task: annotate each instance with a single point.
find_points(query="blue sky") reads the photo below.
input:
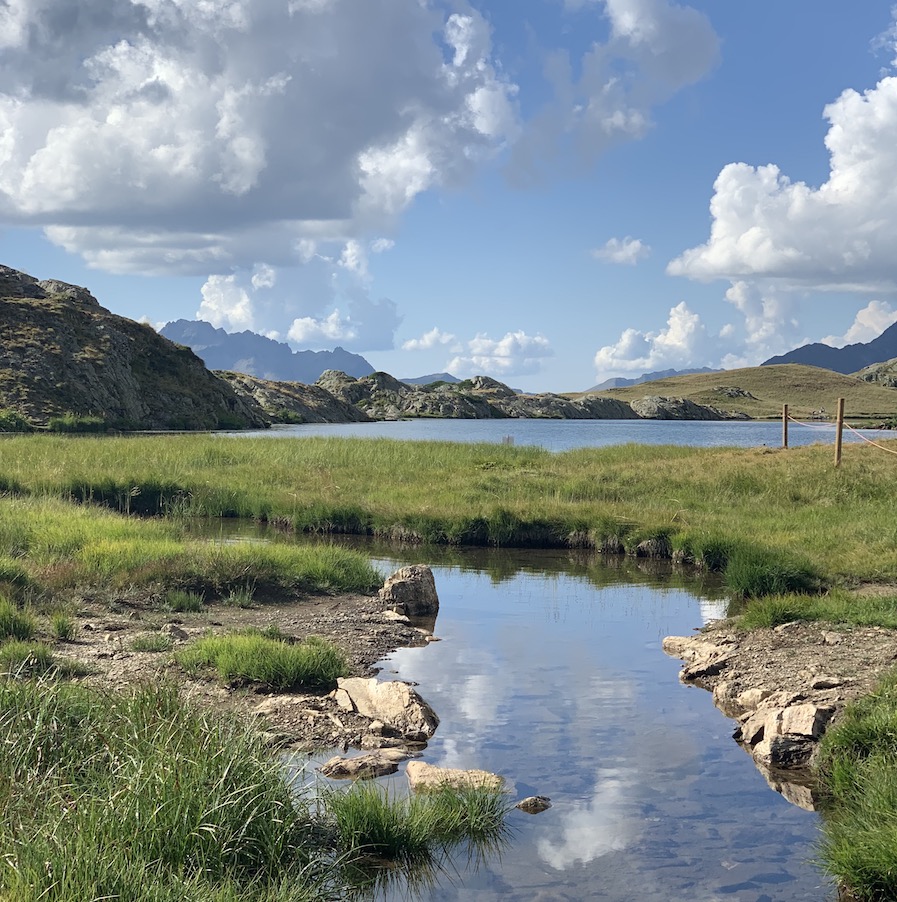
(549, 192)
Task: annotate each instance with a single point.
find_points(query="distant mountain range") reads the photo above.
(848, 359)
(647, 377)
(254, 354)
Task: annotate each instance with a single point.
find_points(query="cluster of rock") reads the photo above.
(380, 396)
(884, 373)
(784, 687)
(400, 721)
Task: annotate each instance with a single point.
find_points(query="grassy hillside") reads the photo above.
(761, 391)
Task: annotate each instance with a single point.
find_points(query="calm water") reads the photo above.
(562, 435)
(550, 672)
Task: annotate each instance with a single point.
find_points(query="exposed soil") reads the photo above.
(357, 624)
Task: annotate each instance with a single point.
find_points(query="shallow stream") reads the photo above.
(550, 672)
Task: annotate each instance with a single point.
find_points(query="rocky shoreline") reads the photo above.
(784, 687)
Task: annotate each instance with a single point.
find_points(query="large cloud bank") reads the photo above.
(778, 241)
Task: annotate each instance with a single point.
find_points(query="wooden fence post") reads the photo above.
(784, 425)
(839, 432)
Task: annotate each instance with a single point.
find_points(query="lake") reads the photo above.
(563, 435)
(550, 672)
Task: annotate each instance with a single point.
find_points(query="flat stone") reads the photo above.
(751, 698)
(423, 776)
(826, 682)
(805, 720)
(361, 767)
(784, 751)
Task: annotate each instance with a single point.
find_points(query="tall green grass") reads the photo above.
(418, 833)
(143, 797)
(858, 767)
(15, 623)
(274, 662)
(53, 545)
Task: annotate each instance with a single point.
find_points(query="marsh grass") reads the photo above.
(53, 545)
(62, 625)
(858, 768)
(752, 572)
(152, 642)
(14, 622)
(272, 662)
(182, 601)
(707, 501)
(141, 796)
(417, 830)
(25, 659)
(836, 607)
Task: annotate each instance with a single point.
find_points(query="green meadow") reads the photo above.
(708, 505)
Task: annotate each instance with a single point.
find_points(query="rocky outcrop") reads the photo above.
(654, 407)
(884, 374)
(381, 397)
(294, 402)
(784, 687)
(423, 777)
(61, 352)
(394, 703)
(411, 591)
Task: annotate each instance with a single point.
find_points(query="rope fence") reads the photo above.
(839, 426)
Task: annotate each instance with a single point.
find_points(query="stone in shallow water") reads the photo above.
(423, 776)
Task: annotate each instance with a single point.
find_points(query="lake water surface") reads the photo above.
(562, 435)
(550, 672)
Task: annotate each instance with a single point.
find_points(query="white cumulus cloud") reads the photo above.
(626, 250)
(433, 339)
(869, 323)
(840, 235)
(331, 330)
(172, 136)
(683, 340)
(515, 354)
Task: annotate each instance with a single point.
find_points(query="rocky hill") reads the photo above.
(884, 373)
(848, 359)
(255, 355)
(382, 397)
(62, 353)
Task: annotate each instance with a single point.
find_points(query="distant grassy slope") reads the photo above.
(803, 388)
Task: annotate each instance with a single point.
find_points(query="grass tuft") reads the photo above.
(15, 623)
(751, 572)
(272, 662)
(154, 642)
(180, 601)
